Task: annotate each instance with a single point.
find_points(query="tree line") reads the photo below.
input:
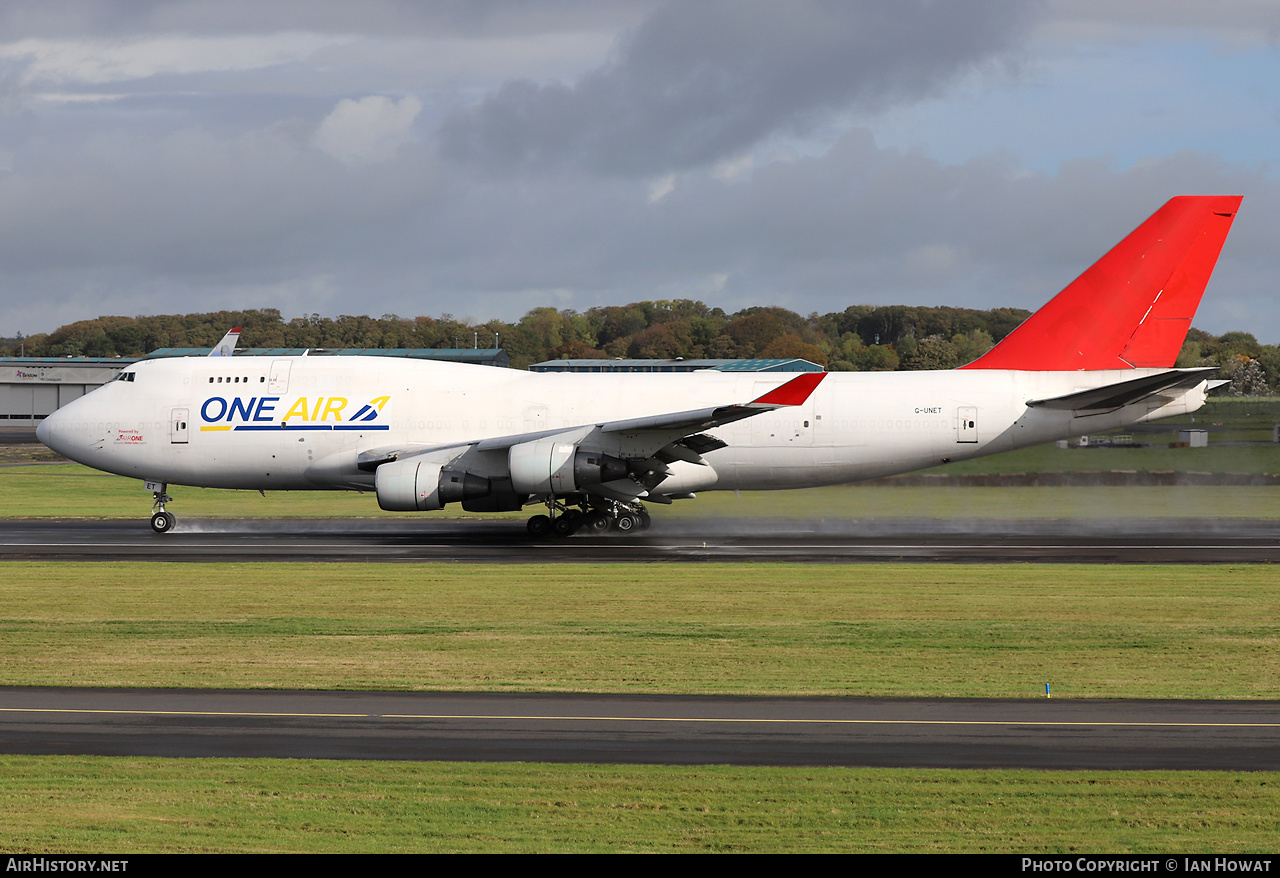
(860, 338)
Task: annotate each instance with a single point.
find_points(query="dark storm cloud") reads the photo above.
(700, 80)
(859, 224)
(173, 156)
(196, 223)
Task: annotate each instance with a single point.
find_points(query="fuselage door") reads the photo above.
(279, 380)
(967, 424)
(178, 427)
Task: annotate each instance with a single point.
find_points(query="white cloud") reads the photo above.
(369, 129)
(661, 188)
(732, 169)
(98, 62)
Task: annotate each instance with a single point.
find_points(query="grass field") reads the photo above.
(1240, 441)
(1251, 458)
(138, 805)
(73, 491)
(1255, 413)
(1204, 632)
(958, 630)
(924, 629)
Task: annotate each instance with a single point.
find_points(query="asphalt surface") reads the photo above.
(913, 733)
(692, 540)
(955, 733)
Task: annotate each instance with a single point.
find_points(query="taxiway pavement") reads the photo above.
(886, 732)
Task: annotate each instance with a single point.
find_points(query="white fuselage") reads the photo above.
(299, 423)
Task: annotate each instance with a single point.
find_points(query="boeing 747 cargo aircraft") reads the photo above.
(594, 448)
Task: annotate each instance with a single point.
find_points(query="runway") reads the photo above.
(908, 733)
(687, 540)
(952, 733)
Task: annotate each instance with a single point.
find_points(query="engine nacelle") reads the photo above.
(411, 485)
(553, 466)
(416, 485)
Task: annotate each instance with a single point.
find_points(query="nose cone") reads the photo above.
(79, 430)
(59, 431)
(48, 430)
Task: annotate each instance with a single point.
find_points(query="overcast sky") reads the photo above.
(484, 157)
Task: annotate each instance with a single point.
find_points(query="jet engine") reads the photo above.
(416, 485)
(553, 466)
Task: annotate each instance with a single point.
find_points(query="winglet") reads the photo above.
(1132, 308)
(794, 392)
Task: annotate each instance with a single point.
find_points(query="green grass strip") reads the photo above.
(939, 630)
(74, 491)
(99, 805)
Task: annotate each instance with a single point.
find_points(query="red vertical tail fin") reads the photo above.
(1132, 308)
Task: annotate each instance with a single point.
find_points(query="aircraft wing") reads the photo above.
(1114, 396)
(794, 392)
(643, 447)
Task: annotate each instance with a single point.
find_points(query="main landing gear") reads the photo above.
(161, 521)
(595, 517)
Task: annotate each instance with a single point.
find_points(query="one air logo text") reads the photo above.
(306, 413)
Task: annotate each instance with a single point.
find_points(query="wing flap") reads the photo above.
(622, 490)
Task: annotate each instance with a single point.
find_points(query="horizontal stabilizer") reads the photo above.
(1113, 396)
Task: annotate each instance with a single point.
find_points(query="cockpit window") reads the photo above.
(123, 376)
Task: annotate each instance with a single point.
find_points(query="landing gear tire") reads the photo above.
(565, 525)
(163, 522)
(645, 520)
(538, 526)
(627, 522)
(597, 523)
